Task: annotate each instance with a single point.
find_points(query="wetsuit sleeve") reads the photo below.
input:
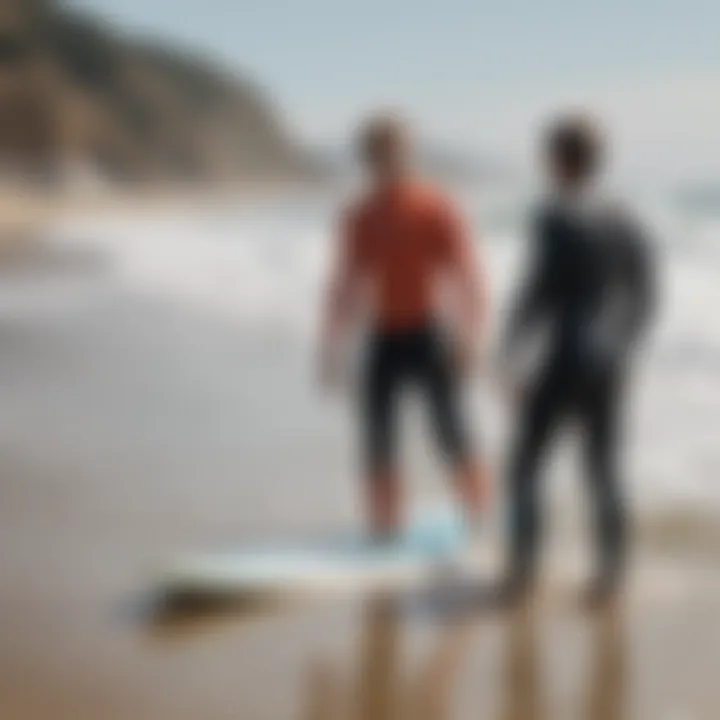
(640, 276)
(532, 298)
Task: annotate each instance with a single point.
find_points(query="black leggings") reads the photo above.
(592, 398)
(394, 359)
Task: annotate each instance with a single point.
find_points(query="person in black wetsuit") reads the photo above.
(591, 288)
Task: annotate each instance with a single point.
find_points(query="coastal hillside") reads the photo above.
(79, 101)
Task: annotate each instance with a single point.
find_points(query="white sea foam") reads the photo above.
(265, 267)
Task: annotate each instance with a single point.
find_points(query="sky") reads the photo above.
(474, 73)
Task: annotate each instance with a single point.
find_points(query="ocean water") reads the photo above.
(175, 355)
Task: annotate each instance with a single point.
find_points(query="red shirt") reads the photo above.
(402, 241)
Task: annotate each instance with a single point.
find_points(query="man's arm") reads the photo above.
(469, 278)
(340, 304)
(641, 285)
(533, 295)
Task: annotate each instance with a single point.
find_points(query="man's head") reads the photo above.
(384, 147)
(574, 151)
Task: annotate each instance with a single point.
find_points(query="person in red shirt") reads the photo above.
(404, 256)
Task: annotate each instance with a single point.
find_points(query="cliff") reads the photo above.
(75, 95)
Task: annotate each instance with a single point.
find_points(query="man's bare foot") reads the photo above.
(474, 486)
(384, 505)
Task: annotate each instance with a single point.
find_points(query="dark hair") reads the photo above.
(378, 134)
(575, 145)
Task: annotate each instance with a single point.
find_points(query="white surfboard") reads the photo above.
(432, 543)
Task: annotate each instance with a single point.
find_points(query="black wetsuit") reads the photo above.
(591, 285)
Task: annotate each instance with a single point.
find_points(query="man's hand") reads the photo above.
(511, 385)
(467, 356)
(330, 367)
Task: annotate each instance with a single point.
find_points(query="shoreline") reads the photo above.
(26, 213)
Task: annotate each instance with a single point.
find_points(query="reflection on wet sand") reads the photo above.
(525, 692)
(607, 695)
(384, 690)
(381, 690)
(522, 694)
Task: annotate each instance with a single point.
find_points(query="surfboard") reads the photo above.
(430, 546)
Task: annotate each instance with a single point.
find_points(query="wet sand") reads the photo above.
(81, 638)
(131, 430)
